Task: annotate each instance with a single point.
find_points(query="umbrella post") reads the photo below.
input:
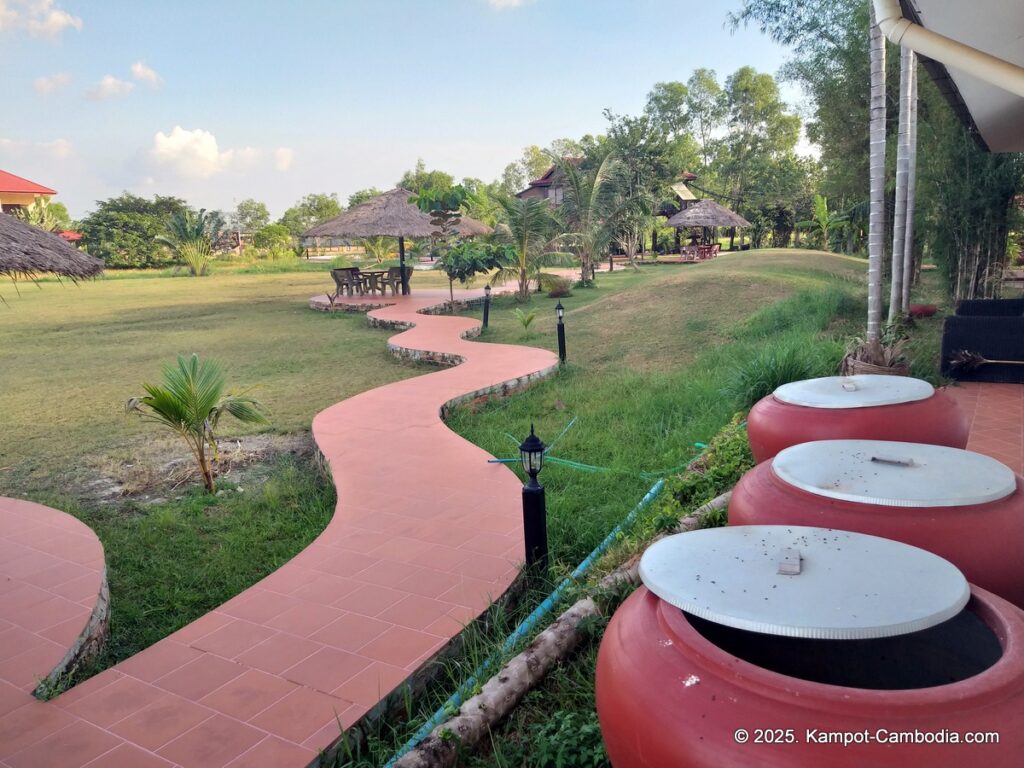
(401, 265)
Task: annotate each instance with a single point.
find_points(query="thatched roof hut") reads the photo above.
(706, 213)
(26, 250)
(391, 215)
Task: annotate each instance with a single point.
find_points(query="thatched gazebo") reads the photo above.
(706, 213)
(389, 215)
(26, 250)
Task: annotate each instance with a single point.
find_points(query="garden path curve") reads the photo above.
(425, 535)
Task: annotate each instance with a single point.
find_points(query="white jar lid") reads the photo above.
(894, 474)
(861, 391)
(833, 585)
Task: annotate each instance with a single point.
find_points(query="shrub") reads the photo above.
(569, 740)
(780, 362)
(720, 467)
(559, 289)
(272, 236)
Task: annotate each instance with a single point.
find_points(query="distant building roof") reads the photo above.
(68, 234)
(11, 183)
(687, 176)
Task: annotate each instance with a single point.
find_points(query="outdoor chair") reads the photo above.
(990, 308)
(714, 250)
(394, 279)
(346, 279)
(993, 337)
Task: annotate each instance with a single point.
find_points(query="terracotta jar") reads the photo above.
(869, 407)
(698, 688)
(964, 506)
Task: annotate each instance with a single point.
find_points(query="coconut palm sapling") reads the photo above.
(190, 402)
(529, 227)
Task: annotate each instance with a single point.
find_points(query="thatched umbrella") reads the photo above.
(389, 215)
(26, 250)
(706, 213)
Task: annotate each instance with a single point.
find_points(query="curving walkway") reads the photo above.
(425, 535)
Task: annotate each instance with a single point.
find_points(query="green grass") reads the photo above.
(168, 564)
(73, 354)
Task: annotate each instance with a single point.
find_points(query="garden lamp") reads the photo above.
(487, 303)
(560, 314)
(535, 524)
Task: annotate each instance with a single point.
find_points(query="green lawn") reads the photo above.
(73, 354)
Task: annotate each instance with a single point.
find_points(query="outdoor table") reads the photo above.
(373, 280)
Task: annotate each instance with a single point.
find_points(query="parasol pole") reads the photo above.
(401, 265)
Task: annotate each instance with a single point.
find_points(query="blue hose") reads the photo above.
(524, 627)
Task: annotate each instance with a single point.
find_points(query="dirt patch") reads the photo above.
(154, 471)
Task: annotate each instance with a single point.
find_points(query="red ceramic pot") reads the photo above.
(983, 536)
(667, 697)
(824, 410)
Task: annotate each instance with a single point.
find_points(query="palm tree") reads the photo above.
(191, 237)
(823, 221)
(899, 223)
(876, 220)
(190, 402)
(528, 227)
(379, 247)
(591, 208)
(38, 214)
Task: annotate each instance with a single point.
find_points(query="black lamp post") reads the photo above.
(487, 303)
(560, 313)
(535, 523)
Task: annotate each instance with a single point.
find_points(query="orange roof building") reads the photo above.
(16, 192)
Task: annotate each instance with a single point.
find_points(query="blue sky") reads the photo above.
(220, 100)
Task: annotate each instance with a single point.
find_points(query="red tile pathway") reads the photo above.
(997, 420)
(425, 535)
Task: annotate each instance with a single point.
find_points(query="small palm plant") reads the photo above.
(191, 237)
(528, 228)
(380, 248)
(190, 402)
(525, 318)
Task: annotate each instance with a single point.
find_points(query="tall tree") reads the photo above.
(705, 107)
(667, 107)
(590, 209)
(419, 179)
(310, 211)
(123, 230)
(362, 195)
(250, 216)
(876, 222)
(908, 238)
(899, 223)
(761, 133)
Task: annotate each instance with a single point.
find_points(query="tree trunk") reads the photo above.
(899, 219)
(876, 216)
(909, 273)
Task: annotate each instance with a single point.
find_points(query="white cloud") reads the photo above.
(57, 149)
(145, 74)
(8, 16)
(108, 88)
(503, 4)
(283, 158)
(40, 17)
(51, 83)
(47, 21)
(195, 154)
